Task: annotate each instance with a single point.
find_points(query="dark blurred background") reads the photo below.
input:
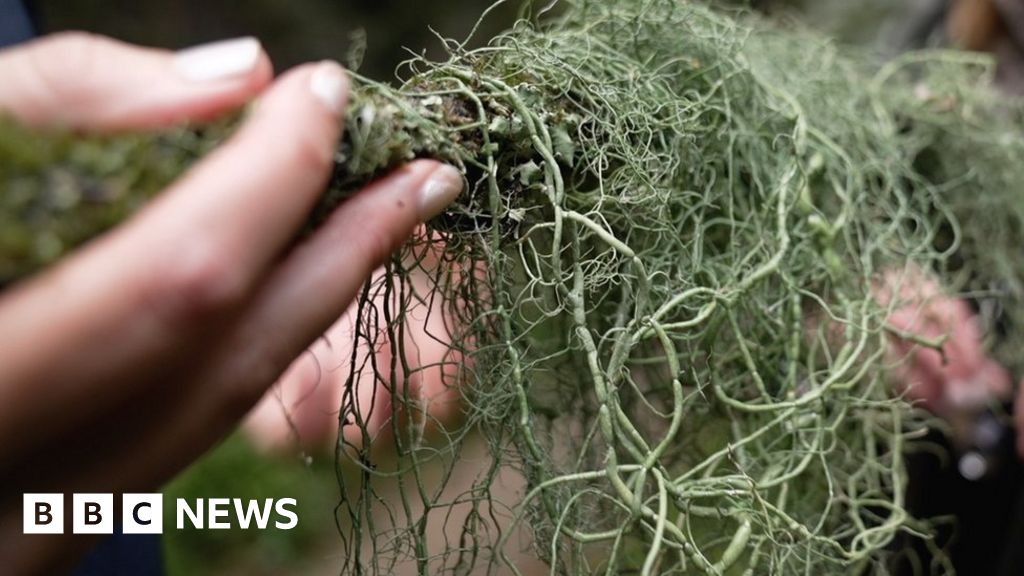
(293, 31)
(301, 30)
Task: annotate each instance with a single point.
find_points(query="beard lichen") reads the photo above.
(657, 287)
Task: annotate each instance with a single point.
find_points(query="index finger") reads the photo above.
(217, 229)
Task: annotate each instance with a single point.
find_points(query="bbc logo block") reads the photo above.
(43, 514)
(92, 514)
(144, 514)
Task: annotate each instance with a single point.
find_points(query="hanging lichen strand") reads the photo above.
(656, 290)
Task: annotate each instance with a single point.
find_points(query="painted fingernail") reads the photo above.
(329, 85)
(441, 188)
(218, 60)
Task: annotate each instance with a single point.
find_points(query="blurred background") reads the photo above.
(300, 30)
(390, 30)
(293, 31)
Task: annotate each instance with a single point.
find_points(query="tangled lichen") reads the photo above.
(658, 285)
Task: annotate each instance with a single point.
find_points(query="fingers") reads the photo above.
(82, 81)
(203, 245)
(961, 376)
(300, 299)
(302, 410)
(141, 295)
(319, 279)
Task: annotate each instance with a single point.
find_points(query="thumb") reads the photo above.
(83, 81)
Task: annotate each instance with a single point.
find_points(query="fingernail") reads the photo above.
(218, 60)
(442, 187)
(329, 85)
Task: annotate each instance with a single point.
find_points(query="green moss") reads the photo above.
(61, 191)
(236, 470)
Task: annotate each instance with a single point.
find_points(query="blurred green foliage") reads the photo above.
(235, 470)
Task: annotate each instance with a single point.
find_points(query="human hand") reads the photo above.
(303, 410)
(132, 356)
(960, 375)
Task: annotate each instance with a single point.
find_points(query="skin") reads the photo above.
(963, 378)
(960, 378)
(133, 356)
(301, 411)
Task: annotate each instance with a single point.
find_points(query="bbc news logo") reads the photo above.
(144, 514)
